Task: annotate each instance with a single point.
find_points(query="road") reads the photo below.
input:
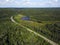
(28, 29)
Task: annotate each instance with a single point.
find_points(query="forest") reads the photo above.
(45, 21)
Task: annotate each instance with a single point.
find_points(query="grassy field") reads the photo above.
(43, 21)
(47, 28)
(13, 34)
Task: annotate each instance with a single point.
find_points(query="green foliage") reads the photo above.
(13, 34)
(44, 21)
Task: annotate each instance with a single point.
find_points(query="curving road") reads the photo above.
(46, 39)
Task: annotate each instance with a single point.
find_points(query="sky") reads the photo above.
(29, 3)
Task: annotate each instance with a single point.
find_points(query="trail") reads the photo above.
(46, 39)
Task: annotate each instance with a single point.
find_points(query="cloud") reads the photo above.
(7, 0)
(56, 0)
(26, 0)
(30, 3)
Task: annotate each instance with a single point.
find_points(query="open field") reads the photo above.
(46, 28)
(43, 21)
